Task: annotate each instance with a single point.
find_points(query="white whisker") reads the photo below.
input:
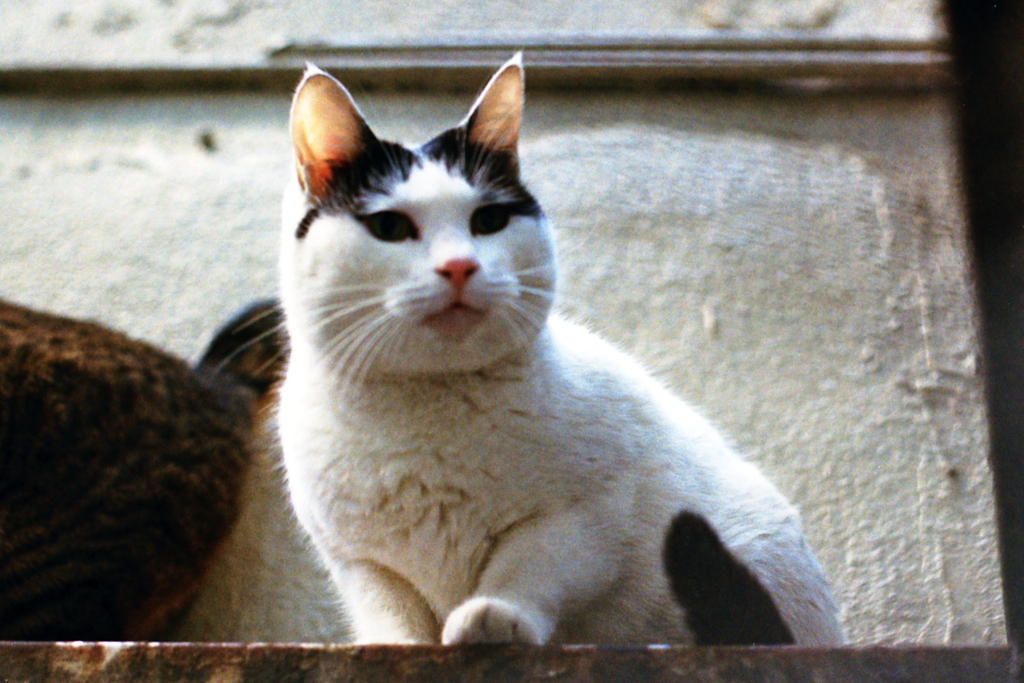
(398, 343)
(272, 310)
(337, 290)
(329, 314)
(367, 350)
(343, 351)
(353, 306)
(545, 294)
(242, 348)
(270, 362)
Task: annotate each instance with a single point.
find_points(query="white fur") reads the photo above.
(514, 483)
(267, 584)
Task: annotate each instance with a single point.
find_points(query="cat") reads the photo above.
(472, 466)
(264, 587)
(120, 471)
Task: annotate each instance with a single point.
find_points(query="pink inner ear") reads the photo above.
(499, 111)
(317, 178)
(327, 130)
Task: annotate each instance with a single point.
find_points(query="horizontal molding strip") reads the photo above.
(553, 61)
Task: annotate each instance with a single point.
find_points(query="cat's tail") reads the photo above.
(250, 348)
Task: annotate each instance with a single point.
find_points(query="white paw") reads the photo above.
(492, 620)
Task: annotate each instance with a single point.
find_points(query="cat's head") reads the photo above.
(412, 260)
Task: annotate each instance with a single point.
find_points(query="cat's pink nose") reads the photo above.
(458, 271)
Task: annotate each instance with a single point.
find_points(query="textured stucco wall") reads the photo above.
(120, 32)
(793, 265)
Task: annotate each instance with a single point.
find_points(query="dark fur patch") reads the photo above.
(306, 221)
(495, 173)
(377, 168)
(251, 347)
(725, 603)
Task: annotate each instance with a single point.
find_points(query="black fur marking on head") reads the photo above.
(725, 603)
(306, 221)
(494, 173)
(375, 170)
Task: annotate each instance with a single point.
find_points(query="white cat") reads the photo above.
(472, 467)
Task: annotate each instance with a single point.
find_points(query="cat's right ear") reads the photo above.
(327, 130)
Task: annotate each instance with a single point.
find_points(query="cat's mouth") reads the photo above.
(455, 321)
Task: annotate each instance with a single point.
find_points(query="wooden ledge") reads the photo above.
(604, 60)
(555, 61)
(195, 663)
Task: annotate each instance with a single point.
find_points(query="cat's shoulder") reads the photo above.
(584, 355)
(579, 345)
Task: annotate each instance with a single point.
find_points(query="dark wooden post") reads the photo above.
(988, 47)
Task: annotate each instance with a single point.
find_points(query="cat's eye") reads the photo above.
(489, 219)
(390, 226)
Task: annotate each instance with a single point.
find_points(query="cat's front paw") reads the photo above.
(492, 620)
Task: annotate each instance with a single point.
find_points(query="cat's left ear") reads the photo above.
(494, 119)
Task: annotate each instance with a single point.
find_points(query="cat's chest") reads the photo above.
(427, 478)
(435, 460)
(475, 439)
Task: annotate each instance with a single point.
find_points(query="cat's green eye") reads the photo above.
(390, 226)
(489, 219)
